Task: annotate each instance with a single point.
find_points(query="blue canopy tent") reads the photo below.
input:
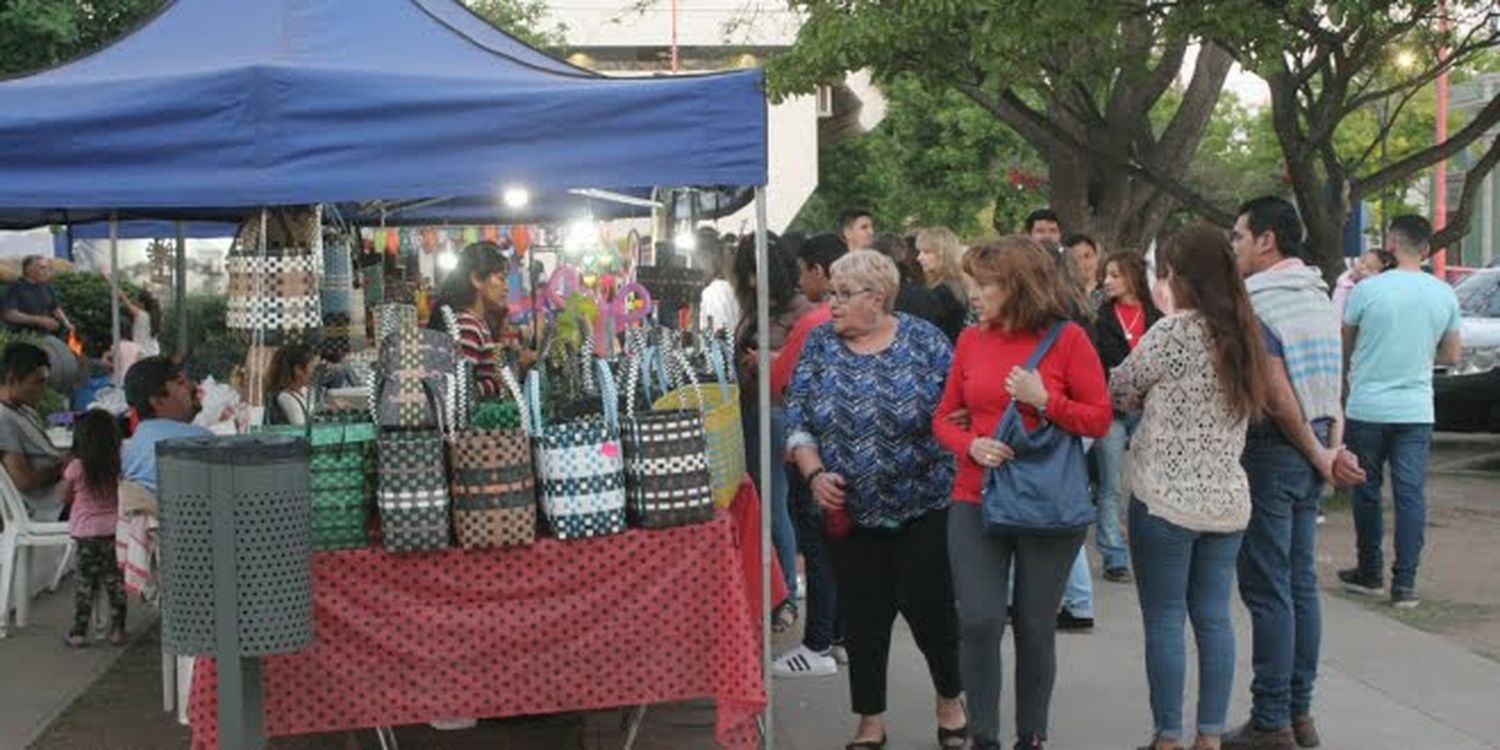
(213, 107)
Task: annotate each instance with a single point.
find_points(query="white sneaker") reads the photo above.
(839, 654)
(804, 662)
(453, 725)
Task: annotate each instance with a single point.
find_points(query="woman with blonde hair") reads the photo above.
(941, 258)
(874, 371)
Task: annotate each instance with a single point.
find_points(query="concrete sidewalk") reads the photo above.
(40, 677)
(1382, 685)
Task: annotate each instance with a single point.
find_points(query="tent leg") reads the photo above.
(179, 292)
(763, 387)
(114, 292)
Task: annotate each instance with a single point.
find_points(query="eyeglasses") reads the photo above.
(839, 296)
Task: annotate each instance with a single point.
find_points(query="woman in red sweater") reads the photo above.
(1018, 299)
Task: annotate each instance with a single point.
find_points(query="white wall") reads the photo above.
(700, 23)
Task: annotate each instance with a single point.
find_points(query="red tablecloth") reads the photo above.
(635, 618)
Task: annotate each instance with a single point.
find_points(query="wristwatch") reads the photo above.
(814, 474)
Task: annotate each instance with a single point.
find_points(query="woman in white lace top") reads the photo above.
(1193, 374)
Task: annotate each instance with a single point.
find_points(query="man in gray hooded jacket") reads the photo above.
(1288, 457)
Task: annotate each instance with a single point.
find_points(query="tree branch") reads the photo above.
(1456, 57)
(1458, 223)
(1041, 138)
(1404, 169)
(1389, 123)
(1010, 103)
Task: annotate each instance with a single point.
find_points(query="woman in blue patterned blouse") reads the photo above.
(859, 411)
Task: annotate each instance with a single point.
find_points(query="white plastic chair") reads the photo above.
(16, 540)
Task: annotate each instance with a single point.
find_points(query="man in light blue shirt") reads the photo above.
(166, 400)
(1396, 326)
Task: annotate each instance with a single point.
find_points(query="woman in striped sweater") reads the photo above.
(476, 291)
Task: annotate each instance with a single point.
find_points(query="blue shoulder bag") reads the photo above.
(1045, 488)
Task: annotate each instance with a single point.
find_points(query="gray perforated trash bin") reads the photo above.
(236, 560)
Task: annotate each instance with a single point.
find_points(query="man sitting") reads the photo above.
(166, 401)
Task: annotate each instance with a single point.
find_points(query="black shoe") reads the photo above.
(1068, 623)
(1031, 742)
(1404, 598)
(1356, 582)
(1117, 575)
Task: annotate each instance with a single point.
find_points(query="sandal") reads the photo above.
(784, 618)
(117, 637)
(867, 744)
(75, 641)
(954, 738)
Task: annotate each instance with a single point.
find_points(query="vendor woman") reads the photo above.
(477, 290)
(289, 385)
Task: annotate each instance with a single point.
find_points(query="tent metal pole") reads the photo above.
(114, 290)
(179, 291)
(763, 387)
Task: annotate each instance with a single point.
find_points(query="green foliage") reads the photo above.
(520, 18)
(950, 41)
(36, 34)
(211, 351)
(936, 159)
(1239, 157)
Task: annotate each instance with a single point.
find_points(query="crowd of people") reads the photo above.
(950, 425)
(954, 421)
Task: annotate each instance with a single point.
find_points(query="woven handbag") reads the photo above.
(413, 495)
(275, 293)
(721, 422)
(667, 481)
(579, 466)
(339, 472)
(390, 318)
(494, 494)
(417, 383)
(342, 464)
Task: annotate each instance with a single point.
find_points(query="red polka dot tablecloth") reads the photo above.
(636, 618)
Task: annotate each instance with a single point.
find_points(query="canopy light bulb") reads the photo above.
(685, 242)
(581, 236)
(516, 197)
(447, 260)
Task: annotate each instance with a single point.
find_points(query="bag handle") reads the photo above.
(533, 401)
(607, 395)
(688, 380)
(515, 391)
(1012, 415)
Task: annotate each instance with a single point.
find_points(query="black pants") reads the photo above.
(97, 567)
(881, 573)
(981, 577)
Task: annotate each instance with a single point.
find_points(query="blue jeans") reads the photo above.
(1278, 581)
(820, 623)
(783, 536)
(1109, 458)
(1078, 597)
(1180, 574)
(1405, 447)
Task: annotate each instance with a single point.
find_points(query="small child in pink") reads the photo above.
(91, 489)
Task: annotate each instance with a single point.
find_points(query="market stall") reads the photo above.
(218, 109)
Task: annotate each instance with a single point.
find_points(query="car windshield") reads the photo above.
(1479, 295)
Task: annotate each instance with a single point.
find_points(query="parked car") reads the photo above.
(1467, 396)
